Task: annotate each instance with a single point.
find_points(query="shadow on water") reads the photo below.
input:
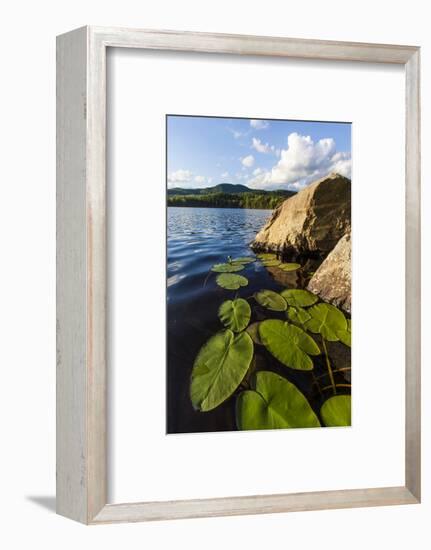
(197, 239)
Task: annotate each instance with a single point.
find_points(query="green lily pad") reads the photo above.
(231, 281)
(235, 314)
(337, 411)
(289, 266)
(326, 320)
(276, 403)
(298, 315)
(298, 297)
(345, 336)
(253, 330)
(227, 268)
(219, 368)
(267, 256)
(271, 263)
(244, 260)
(288, 343)
(271, 300)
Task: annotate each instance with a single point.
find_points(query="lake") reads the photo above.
(198, 238)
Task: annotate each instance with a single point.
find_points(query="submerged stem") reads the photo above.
(206, 278)
(328, 364)
(316, 383)
(335, 371)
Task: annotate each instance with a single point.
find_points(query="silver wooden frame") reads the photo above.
(81, 274)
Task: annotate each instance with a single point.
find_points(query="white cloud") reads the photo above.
(257, 171)
(259, 124)
(247, 161)
(264, 147)
(259, 146)
(303, 162)
(186, 178)
(237, 134)
(225, 175)
(180, 176)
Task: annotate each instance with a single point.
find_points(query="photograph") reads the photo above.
(258, 274)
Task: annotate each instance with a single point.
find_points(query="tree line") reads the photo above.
(267, 200)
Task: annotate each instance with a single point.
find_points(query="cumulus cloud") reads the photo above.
(186, 177)
(263, 147)
(247, 161)
(259, 124)
(180, 176)
(303, 162)
(225, 175)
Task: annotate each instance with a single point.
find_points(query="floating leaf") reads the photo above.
(244, 260)
(337, 411)
(276, 403)
(235, 314)
(345, 336)
(253, 330)
(288, 343)
(271, 263)
(298, 315)
(227, 268)
(231, 281)
(219, 368)
(267, 256)
(326, 320)
(271, 300)
(298, 297)
(289, 266)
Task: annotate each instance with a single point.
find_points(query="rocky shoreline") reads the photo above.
(316, 223)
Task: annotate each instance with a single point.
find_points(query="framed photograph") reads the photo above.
(238, 275)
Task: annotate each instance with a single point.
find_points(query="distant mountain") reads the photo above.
(227, 195)
(220, 188)
(223, 188)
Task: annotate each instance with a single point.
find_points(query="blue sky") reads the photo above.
(263, 154)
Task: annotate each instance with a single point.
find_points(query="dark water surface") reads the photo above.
(198, 238)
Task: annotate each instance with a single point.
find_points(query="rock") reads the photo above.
(313, 220)
(332, 281)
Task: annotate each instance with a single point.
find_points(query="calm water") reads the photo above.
(198, 238)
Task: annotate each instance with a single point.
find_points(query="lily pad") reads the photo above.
(235, 314)
(288, 343)
(267, 256)
(298, 315)
(345, 336)
(219, 368)
(231, 281)
(289, 266)
(271, 263)
(271, 300)
(326, 320)
(337, 411)
(298, 297)
(227, 268)
(244, 260)
(276, 403)
(253, 330)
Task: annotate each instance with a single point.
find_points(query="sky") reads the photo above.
(262, 154)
